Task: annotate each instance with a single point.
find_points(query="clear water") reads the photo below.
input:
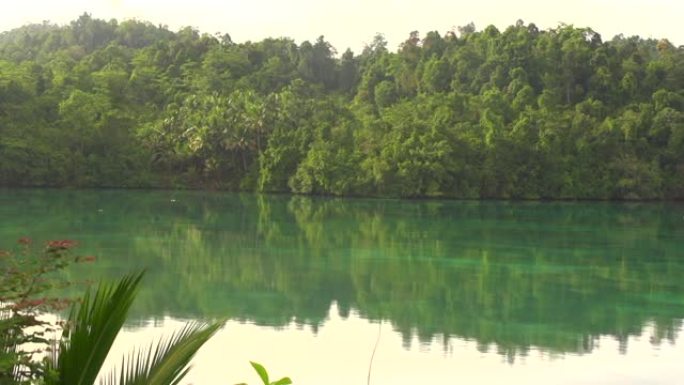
(453, 292)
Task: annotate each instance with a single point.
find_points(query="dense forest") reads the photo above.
(522, 113)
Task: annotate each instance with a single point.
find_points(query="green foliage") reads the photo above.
(263, 375)
(90, 332)
(518, 113)
(168, 361)
(27, 284)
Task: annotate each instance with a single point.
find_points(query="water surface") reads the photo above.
(454, 292)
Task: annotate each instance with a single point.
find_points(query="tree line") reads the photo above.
(522, 113)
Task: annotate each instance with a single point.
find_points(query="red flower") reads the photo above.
(61, 245)
(89, 258)
(24, 241)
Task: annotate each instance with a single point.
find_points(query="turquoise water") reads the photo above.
(458, 292)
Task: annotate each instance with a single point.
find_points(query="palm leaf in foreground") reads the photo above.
(91, 331)
(166, 362)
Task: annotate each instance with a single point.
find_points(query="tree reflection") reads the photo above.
(511, 276)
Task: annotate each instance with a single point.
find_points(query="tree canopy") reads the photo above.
(521, 113)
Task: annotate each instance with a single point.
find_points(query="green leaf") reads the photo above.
(92, 329)
(283, 381)
(261, 371)
(165, 362)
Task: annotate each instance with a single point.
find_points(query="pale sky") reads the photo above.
(352, 23)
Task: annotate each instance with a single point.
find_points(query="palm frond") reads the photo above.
(92, 329)
(165, 362)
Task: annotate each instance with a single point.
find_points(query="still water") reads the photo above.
(445, 292)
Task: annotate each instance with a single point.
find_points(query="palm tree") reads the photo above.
(90, 333)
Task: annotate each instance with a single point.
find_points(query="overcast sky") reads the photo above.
(351, 23)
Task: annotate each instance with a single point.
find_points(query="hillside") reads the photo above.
(521, 113)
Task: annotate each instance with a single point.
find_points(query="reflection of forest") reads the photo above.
(517, 275)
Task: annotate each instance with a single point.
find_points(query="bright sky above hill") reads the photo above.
(352, 23)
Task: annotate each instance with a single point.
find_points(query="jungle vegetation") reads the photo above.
(521, 113)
